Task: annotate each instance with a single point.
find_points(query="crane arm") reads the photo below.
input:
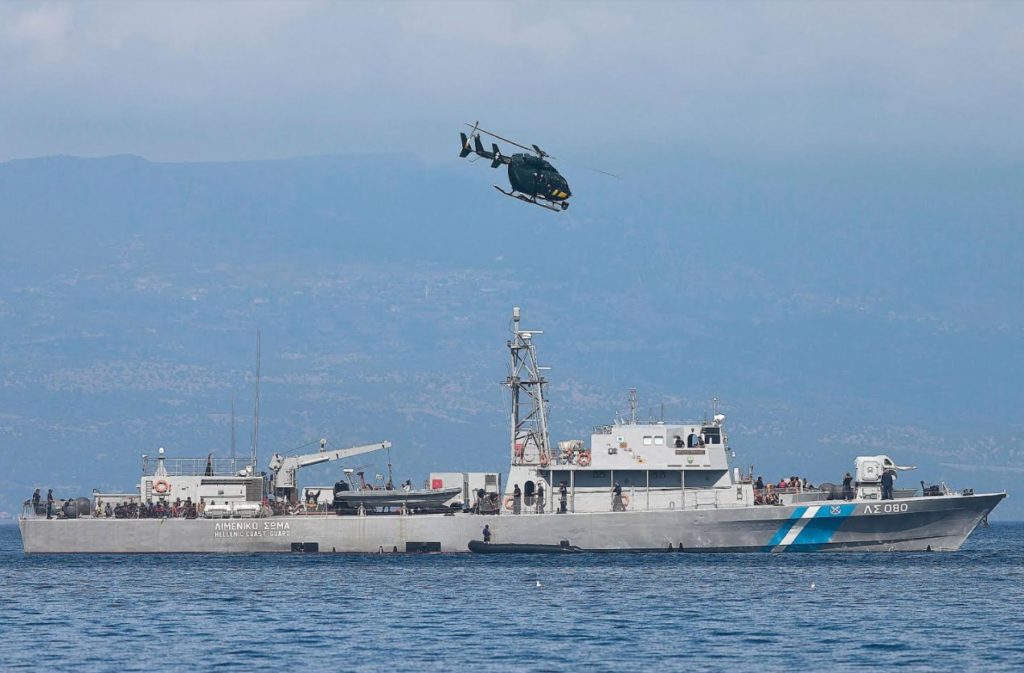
(285, 467)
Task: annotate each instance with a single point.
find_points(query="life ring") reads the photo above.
(510, 503)
(625, 500)
(161, 486)
(584, 459)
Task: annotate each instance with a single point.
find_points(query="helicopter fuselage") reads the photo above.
(532, 175)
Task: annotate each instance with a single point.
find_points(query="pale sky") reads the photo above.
(226, 81)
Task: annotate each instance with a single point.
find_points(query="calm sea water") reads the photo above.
(616, 612)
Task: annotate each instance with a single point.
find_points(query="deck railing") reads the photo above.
(195, 467)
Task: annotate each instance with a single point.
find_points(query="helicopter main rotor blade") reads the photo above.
(503, 139)
(598, 170)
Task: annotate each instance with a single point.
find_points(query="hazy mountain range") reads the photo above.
(836, 307)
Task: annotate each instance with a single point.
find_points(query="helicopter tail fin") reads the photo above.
(465, 147)
(496, 159)
(479, 147)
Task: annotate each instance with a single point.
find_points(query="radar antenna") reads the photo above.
(529, 431)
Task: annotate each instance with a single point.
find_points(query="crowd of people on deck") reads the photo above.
(126, 509)
(768, 493)
(161, 509)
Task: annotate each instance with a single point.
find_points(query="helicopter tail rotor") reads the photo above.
(472, 144)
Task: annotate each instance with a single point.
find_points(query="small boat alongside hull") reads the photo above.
(481, 547)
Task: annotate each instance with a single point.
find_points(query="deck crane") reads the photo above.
(283, 469)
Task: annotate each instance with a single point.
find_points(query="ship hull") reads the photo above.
(940, 523)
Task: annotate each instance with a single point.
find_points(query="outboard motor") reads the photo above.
(340, 489)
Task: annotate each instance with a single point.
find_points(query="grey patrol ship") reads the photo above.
(636, 486)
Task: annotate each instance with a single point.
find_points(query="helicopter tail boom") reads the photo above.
(494, 154)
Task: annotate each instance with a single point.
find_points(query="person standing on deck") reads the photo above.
(517, 500)
(887, 478)
(49, 503)
(563, 498)
(617, 498)
(487, 533)
(540, 497)
(35, 502)
(847, 487)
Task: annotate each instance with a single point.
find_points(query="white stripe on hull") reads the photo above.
(795, 531)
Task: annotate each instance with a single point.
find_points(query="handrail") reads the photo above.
(198, 467)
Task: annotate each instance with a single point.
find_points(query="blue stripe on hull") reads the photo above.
(785, 527)
(820, 529)
(816, 530)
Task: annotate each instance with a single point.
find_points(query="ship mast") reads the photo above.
(529, 426)
(233, 432)
(256, 406)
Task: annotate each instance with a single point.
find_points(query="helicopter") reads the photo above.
(532, 177)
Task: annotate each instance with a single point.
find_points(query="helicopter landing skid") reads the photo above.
(556, 206)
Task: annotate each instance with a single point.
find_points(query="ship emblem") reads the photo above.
(836, 510)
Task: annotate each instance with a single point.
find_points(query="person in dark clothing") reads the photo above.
(887, 478)
(679, 442)
(759, 484)
(487, 533)
(517, 500)
(563, 498)
(617, 498)
(540, 498)
(49, 503)
(847, 487)
(35, 501)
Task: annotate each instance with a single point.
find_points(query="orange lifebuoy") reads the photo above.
(625, 500)
(161, 486)
(510, 502)
(584, 459)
